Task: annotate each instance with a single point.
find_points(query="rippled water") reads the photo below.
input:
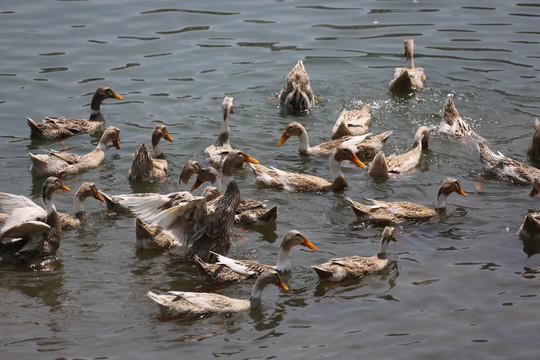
(463, 285)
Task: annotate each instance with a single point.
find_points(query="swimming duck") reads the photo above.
(372, 145)
(194, 305)
(52, 128)
(116, 203)
(354, 267)
(384, 213)
(144, 166)
(33, 238)
(58, 162)
(198, 226)
(218, 151)
(397, 164)
(325, 149)
(10, 202)
(284, 180)
(531, 224)
(230, 270)
(534, 149)
(297, 92)
(249, 211)
(452, 123)
(352, 122)
(410, 78)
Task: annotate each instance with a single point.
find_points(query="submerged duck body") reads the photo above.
(297, 92)
(57, 128)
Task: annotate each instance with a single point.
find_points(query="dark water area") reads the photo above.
(463, 285)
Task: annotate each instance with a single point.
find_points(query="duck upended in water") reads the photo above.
(325, 149)
(381, 166)
(409, 78)
(194, 305)
(33, 238)
(197, 226)
(353, 267)
(385, 213)
(452, 124)
(52, 128)
(284, 180)
(297, 92)
(11, 202)
(218, 151)
(531, 224)
(352, 122)
(231, 270)
(145, 167)
(59, 162)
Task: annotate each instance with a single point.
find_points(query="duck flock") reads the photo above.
(199, 229)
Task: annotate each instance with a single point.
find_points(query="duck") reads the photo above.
(57, 128)
(354, 267)
(197, 226)
(531, 224)
(145, 167)
(32, 238)
(352, 122)
(452, 123)
(231, 270)
(195, 305)
(10, 202)
(534, 149)
(56, 163)
(325, 149)
(249, 211)
(297, 92)
(289, 181)
(116, 203)
(218, 151)
(381, 166)
(386, 213)
(372, 145)
(409, 78)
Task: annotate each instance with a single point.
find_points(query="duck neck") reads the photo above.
(304, 141)
(78, 205)
(440, 205)
(335, 168)
(256, 295)
(95, 112)
(223, 137)
(158, 154)
(283, 262)
(381, 254)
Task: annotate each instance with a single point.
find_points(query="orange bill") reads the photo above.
(461, 192)
(394, 238)
(98, 196)
(198, 183)
(168, 137)
(116, 144)
(533, 192)
(283, 138)
(281, 284)
(249, 159)
(308, 244)
(354, 159)
(116, 96)
(64, 187)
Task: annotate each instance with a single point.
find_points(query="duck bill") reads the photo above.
(249, 159)
(533, 192)
(232, 110)
(64, 187)
(168, 138)
(198, 183)
(283, 138)
(282, 285)
(308, 244)
(461, 192)
(356, 161)
(393, 238)
(116, 144)
(98, 196)
(116, 96)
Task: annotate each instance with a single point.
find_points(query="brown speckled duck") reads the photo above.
(352, 122)
(32, 238)
(197, 226)
(452, 124)
(354, 267)
(52, 128)
(409, 78)
(231, 270)
(325, 149)
(59, 162)
(10, 202)
(145, 167)
(297, 92)
(531, 224)
(284, 180)
(385, 213)
(218, 151)
(381, 166)
(196, 305)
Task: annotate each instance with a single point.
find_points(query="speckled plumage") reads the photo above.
(145, 167)
(297, 92)
(409, 78)
(352, 122)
